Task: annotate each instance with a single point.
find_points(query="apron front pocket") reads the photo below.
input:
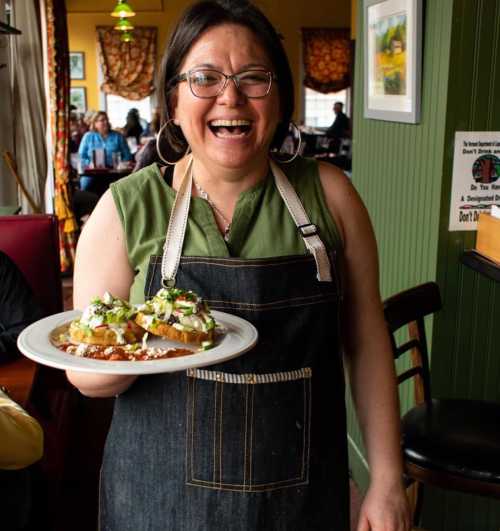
(248, 432)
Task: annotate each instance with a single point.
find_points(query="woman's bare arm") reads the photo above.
(101, 265)
(368, 355)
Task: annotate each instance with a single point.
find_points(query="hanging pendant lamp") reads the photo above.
(122, 10)
(124, 25)
(127, 36)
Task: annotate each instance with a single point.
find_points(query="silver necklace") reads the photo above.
(206, 197)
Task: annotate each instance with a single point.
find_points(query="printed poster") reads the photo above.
(476, 182)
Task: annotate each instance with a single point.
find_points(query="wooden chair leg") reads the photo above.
(414, 492)
(419, 502)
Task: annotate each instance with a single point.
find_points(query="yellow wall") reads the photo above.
(287, 16)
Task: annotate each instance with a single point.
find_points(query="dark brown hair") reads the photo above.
(207, 14)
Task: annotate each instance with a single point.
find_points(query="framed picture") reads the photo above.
(393, 59)
(77, 65)
(78, 98)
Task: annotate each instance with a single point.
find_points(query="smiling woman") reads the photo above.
(247, 444)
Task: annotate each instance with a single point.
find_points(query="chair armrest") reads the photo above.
(17, 377)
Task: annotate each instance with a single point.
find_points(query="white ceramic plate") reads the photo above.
(34, 342)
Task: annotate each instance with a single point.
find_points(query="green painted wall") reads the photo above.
(397, 169)
(403, 173)
(466, 360)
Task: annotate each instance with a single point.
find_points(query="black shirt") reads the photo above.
(340, 126)
(18, 307)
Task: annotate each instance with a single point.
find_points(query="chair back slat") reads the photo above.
(412, 304)
(408, 308)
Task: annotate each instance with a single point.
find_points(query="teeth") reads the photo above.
(229, 123)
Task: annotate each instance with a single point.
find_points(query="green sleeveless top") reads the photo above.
(261, 226)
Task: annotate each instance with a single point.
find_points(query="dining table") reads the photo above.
(103, 177)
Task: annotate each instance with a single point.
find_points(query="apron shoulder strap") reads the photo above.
(307, 230)
(174, 240)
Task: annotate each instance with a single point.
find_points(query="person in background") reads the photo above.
(340, 127)
(148, 154)
(258, 442)
(133, 127)
(18, 307)
(100, 136)
(21, 436)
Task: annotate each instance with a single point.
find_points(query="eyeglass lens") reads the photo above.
(210, 83)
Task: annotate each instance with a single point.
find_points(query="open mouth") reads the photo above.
(230, 128)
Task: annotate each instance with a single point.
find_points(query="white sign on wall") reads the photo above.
(476, 177)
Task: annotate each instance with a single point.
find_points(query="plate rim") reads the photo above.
(145, 367)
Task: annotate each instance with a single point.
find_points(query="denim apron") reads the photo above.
(257, 442)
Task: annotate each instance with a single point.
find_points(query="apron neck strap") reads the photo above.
(174, 240)
(307, 230)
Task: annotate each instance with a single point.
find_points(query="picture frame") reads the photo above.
(392, 60)
(77, 65)
(78, 98)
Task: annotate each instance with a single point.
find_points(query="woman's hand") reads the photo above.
(385, 508)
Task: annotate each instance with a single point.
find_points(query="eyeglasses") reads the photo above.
(208, 83)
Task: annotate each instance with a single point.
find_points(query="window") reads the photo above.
(118, 107)
(318, 107)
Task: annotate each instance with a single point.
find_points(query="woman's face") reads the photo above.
(231, 49)
(102, 125)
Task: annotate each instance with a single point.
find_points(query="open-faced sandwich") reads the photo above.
(179, 315)
(107, 321)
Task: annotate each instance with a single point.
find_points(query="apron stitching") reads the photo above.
(215, 433)
(245, 455)
(192, 431)
(256, 488)
(258, 308)
(272, 261)
(312, 298)
(304, 432)
(188, 420)
(203, 483)
(220, 433)
(251, 440)
(309, 384)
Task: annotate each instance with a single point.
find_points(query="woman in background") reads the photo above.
(100, 136)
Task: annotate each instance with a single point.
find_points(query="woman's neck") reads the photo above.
(223, 186)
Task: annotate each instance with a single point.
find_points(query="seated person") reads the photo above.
(21, 437)
(340, 127)
(18, 308)
(100, 136)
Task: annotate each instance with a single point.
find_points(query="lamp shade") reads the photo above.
(124, 25)
(122, 10)
(126, 36)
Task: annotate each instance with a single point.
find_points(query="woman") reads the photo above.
(189, 450)
(102, 137)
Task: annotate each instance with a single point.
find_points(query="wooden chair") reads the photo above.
(448, 443)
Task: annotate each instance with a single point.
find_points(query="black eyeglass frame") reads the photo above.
(186, 76)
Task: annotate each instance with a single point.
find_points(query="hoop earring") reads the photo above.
(158, 136)
(297, 151)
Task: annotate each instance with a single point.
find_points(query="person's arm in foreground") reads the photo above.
(101, 265)
(369, 359)
(21, 437)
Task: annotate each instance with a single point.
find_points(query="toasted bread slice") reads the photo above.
(105, 335)
(165, 330)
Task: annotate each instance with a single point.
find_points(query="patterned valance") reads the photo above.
(327, 56)
(128, 67)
